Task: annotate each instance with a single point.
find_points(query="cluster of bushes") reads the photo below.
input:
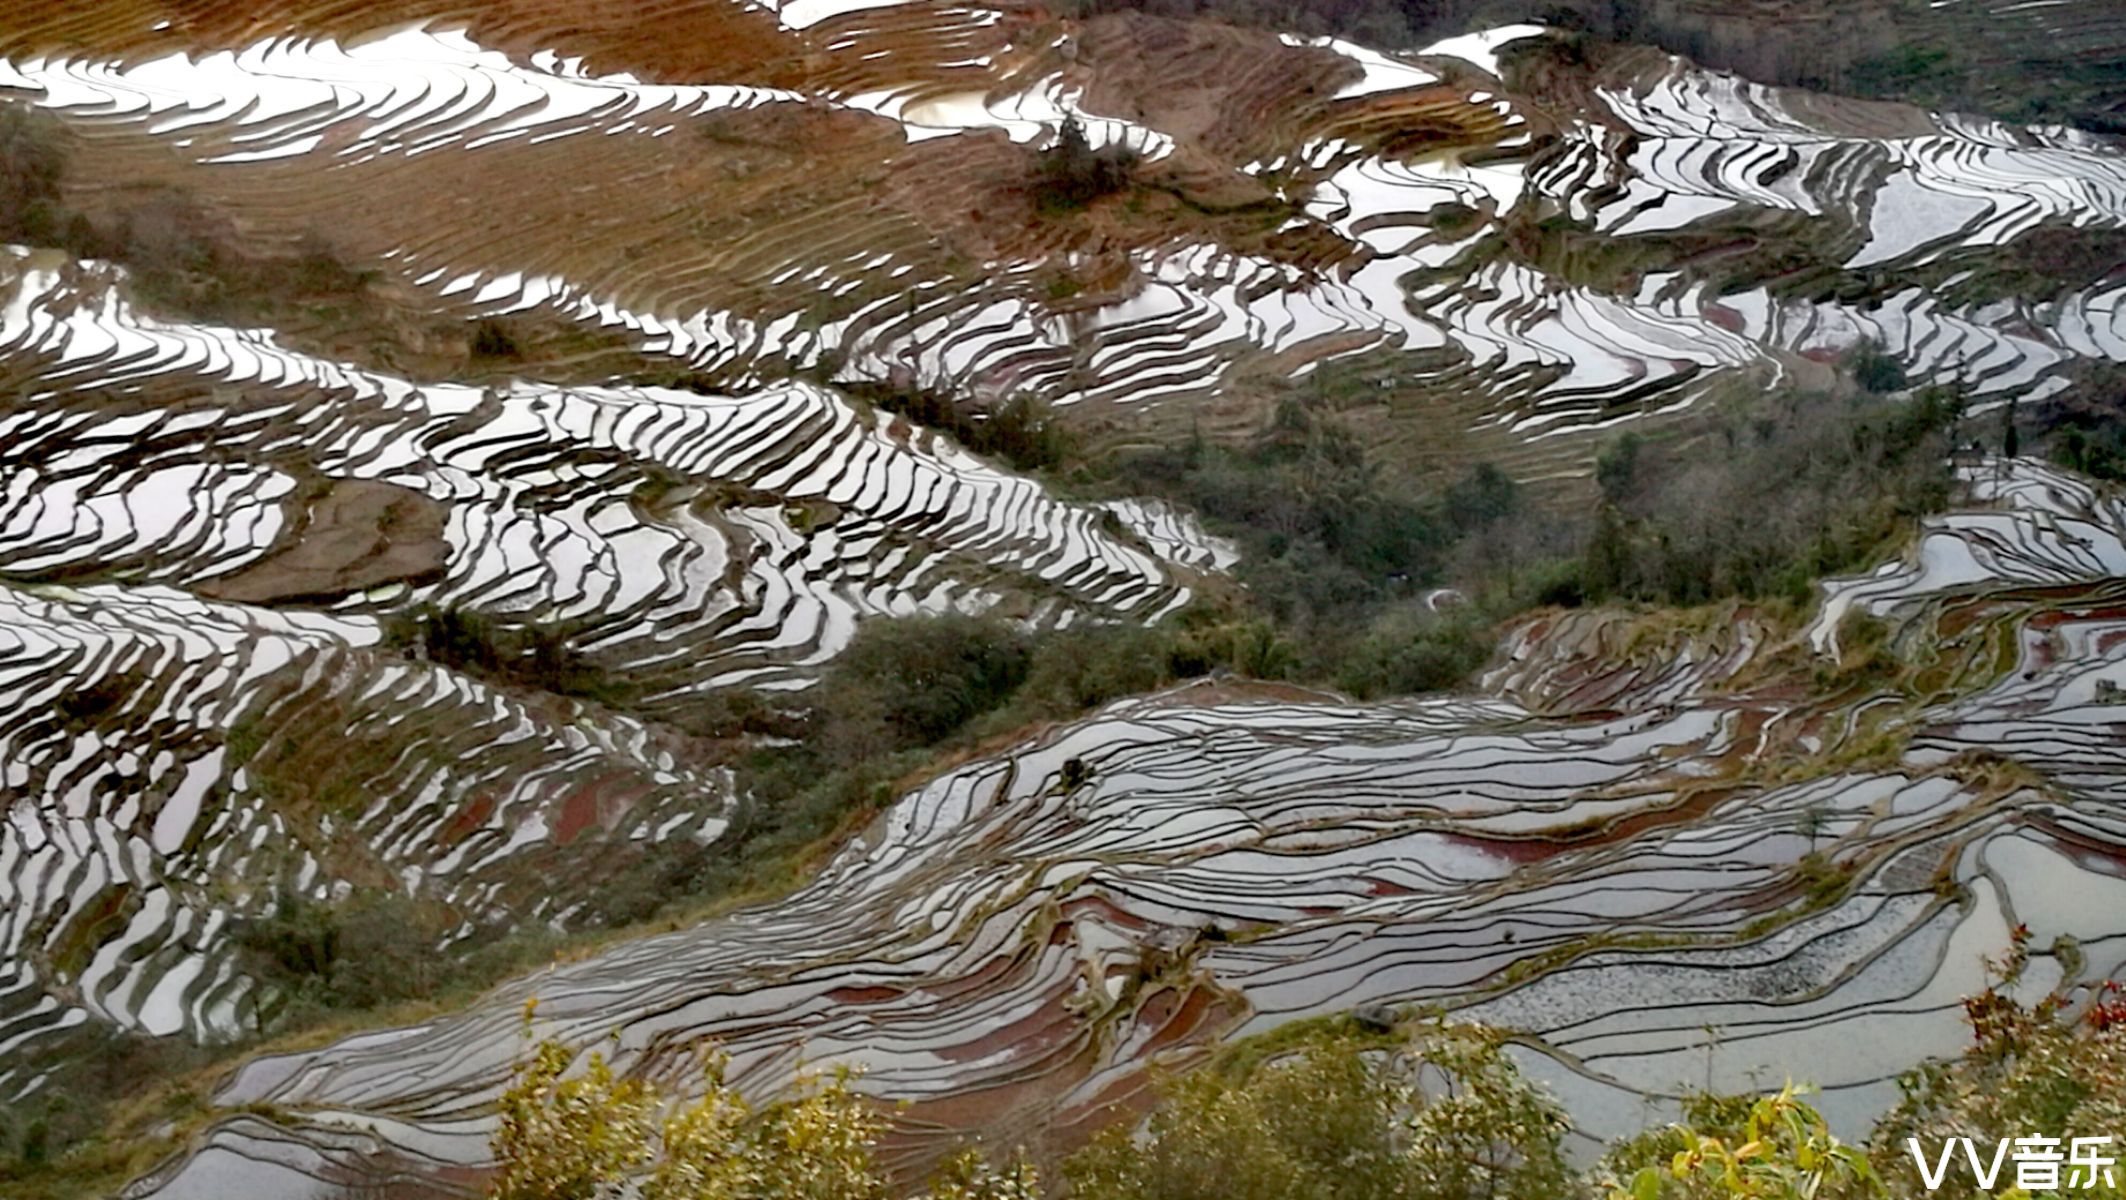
(1772, 496)
(525, 653)
(1341, 1115)
(182, 258)
(1877, 371)
(576, 1135)
(1071, 172)
(1324, 532)
(915, 683)
(1342, 1110)
(82, 1070)
(32, 166)
(2056, 88)
(2083, 428)
(1021, 431)
(1364, 580)
(2098, 450)
(185, 259)
(366, 951)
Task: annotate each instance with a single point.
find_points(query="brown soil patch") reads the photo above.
(357, 535)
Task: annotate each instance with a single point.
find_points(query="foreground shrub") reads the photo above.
(590, 1134)
(1776, 1147)
(1347, 1112)
(1342, 1119)
(2033, 1069)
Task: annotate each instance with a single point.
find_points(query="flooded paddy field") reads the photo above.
(1673, 881)
(1667, 857)
(850, 203)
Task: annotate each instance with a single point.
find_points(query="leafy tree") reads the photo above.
(1878, 371)
(2032, 1069)
(1617, 466)
(1071, 173)
(1486, 495)
(570, 1138)
(1781, 1149)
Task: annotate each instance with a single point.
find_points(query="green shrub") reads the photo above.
(84, 1071)
(1775, 1147)
(1021, 431)
(1342, 1119)
(492, 339)
(919, 679)
(1082, 668)
(2098, 450)
(31, 167)
(519, 652)
(2031, 1070)
(570, 1134)
(1772, 496)
(364, 952)
(1409, 649)
(1322, 532)
(1070, 173)
(1876, 371)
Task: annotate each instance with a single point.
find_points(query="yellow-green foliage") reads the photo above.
(570, 1138)
(1325, 1112)
(1338, 1119)
(969, 1176)
(593, 1135)
(817, 1144)
(1781, 1150)
(2029, 1071)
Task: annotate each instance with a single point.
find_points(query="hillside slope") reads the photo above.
(444, 448)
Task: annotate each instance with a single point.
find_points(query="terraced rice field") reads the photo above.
(1667, 861)
(205, 538)
(851, 201)
(1628, 865)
